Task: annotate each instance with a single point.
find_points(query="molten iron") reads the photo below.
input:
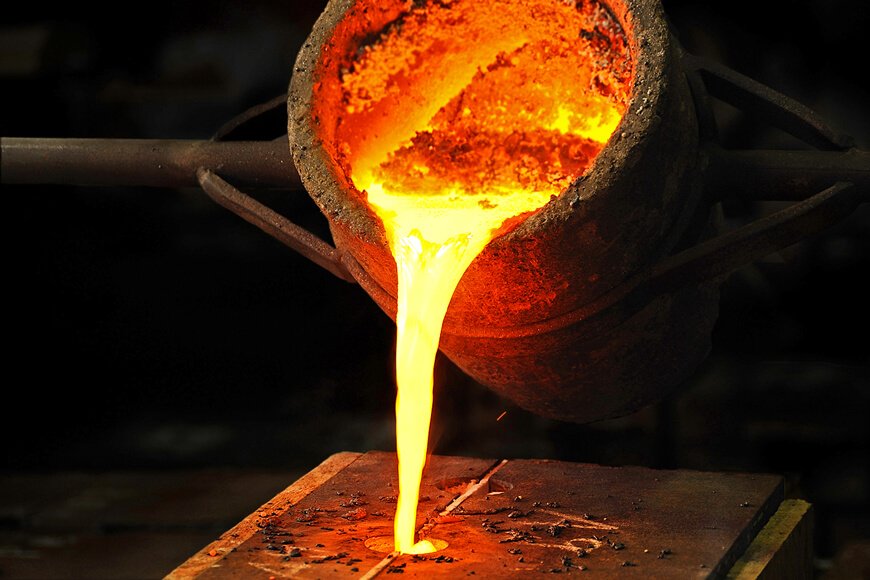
(455, 119)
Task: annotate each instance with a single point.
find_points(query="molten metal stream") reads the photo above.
(433, 243)
(459, 117)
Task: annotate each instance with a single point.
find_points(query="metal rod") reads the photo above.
(781, 111)
(143, 162)
(719, 257)
(274, 224)
(783, 175)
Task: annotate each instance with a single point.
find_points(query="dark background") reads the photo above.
(149, 329)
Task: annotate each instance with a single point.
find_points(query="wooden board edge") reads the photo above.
(783, 549)
(235, 536)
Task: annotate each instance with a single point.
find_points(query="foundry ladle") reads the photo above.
(625, 344)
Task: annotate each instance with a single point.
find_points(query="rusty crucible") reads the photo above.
(601, 302)
(587, 310)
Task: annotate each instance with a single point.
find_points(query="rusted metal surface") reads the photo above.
(530, 517)
(143, 162)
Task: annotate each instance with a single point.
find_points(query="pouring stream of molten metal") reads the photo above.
(456, 119)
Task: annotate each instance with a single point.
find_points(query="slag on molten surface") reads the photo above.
(458, 116)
